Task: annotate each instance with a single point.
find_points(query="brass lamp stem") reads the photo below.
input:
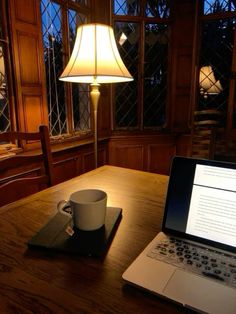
(95, 94)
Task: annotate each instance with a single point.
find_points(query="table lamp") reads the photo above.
(208, 83)
(95, 59)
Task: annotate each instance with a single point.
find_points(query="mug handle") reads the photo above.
(64, 208)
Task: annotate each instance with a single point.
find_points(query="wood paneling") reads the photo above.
(76, 160)
(66, 168)
(26, 11)
(28, 66)
(181, 112)
(127, 155)
(28, 53)
(32, 110)
(149, 153)
(160, 156)
(181, 64)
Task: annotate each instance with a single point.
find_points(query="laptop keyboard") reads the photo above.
(201, 260)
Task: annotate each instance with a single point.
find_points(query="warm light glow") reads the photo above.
(215, 89)
(122, 39)
(206, 77)
(95, 57)
(208, 83)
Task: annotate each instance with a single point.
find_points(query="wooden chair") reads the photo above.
(206, 125)
(23, 173)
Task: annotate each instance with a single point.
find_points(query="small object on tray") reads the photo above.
(55, 235)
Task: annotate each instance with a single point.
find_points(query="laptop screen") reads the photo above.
(201, 201)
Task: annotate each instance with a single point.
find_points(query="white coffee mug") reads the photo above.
(87, 208)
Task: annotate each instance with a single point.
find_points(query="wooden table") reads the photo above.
(38, 282)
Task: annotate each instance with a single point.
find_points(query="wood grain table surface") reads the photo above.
(33, 281)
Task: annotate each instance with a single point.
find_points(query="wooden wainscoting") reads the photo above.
(151, 153)
(72, 161)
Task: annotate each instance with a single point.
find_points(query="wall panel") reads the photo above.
(148, 153)
(160, 156)
(26, 11)
(28, 52)
(28, 64)
(32, 111)
(128, 156)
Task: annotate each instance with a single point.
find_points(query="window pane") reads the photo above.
(216, 51)
(155, 71)
(5, 123)
(157, 8)
(214, 6)
(80, 92)
(126, 94)
(126, 7)
(53, 58)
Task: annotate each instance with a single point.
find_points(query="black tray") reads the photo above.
(54, 235)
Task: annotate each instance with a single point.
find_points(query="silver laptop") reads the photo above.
(192, 261)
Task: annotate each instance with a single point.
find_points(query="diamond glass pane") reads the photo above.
(155, 72)
(126, 7)
(53, 58)
(216, 51)
(157, 8)
(5, 123)
(81, 107)
(125, 94)
(216, 6)
(80, 92)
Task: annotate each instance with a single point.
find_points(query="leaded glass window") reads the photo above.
(217, 48)
(68, 104)
(143, 44)
(80, 92)
(155, 73)
(155, 8)
(126, 7)
(5, 122)
(126, 100)
(217, 6)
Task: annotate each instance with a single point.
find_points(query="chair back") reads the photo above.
(206, 125)
(23, 173)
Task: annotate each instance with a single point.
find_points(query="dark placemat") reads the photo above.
(54, 235)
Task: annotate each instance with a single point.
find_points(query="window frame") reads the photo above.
(142, 19)
(5, 41)
(202, 17)
(65, 6)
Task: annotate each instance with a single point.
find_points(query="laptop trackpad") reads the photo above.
(200, 293)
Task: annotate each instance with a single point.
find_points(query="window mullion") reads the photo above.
(141, 76)
(66, 54)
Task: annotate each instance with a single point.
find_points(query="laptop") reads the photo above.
(192, 261)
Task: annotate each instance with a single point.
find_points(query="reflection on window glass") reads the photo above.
(126, 101)
(143, 43)
(216, 54)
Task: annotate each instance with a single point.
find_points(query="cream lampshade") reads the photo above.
(208, 83)
(215, 89)
(95, 59)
